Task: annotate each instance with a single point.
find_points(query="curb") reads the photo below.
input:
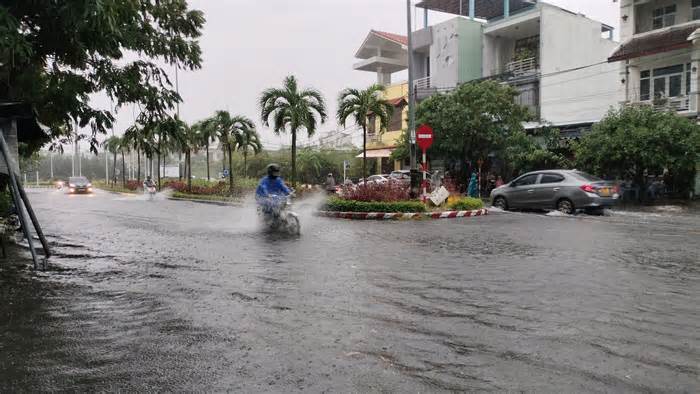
(402, 216)
(209, 202)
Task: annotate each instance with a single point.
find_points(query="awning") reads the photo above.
(666, 40)
(483, 9)
(376, 153)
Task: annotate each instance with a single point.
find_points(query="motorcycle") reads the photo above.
(151, 190)
(277, 216)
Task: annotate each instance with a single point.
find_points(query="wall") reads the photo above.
(575, 96)
(470, 50)
(497, 52)
(644, 13)
(444, 53)
(390, 137)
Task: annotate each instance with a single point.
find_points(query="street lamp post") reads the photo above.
(411, 102)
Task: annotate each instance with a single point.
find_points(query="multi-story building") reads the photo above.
(557, 59)
(659, 53)
(659, 56)
(554, 57)
(385, 54)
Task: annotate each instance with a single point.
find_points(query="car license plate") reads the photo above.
(604, 192)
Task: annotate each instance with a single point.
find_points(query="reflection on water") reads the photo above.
(180, 296)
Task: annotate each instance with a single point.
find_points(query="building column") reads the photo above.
(471, 9)
(633, 93)
(506, 8)
(379, 166)
(694, 77)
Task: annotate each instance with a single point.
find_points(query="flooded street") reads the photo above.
(179, 296)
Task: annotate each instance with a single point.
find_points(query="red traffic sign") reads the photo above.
(424, 137)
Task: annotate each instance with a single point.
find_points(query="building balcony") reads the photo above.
(680, 104)
(523, 67)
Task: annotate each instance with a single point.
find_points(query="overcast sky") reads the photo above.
(250, 45)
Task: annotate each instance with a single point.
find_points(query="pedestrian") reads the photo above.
(330, 184)
(499, 181)
(473, 189)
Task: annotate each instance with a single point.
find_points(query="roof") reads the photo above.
(657, 42)
(397, 38)
(377, 153)
(483, 9)
(397, 101)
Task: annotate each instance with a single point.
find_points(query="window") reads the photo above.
(664, 17)
(672, 81)
(396, 122)
(551, 178)
(526, 180)
(371, 125)
(696, 9)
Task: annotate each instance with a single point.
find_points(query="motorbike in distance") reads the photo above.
(150, 190)
(276, 214)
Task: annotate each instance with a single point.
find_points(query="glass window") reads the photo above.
(674, 85)
(659, 87)
(696, 9)
(526, 180)
(644, 88)
(677, 69)
(551, 178)
(645, 74)
(664, 17)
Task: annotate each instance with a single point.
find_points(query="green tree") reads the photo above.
(229, 130)
(57, 54)
(360, 104)
(638, 139)
(292, 109)
(113, 145)
(540, 150)
(189, 138)
(310, 164)
(208, 135)
(248, 141)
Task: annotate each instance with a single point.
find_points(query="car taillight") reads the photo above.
(588, 188)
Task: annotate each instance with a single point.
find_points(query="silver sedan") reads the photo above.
(564, 190)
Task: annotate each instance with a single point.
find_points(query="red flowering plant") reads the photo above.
(381, 192)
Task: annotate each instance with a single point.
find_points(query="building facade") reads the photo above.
(659, 56)
(385, 54)
(555, 58)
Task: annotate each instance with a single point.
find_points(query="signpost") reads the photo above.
(346, 166)
(424, 138)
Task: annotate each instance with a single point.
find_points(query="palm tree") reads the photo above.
(113, 145)
(292, 110)
(189, 138)
(249, 140)
(229, 130)
(208, 135)
(309, 163)
(360, 104)
(140, 138)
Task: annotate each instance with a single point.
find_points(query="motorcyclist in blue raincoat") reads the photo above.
(270, 186)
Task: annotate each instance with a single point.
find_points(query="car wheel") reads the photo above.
(500, 203)
(566, 206)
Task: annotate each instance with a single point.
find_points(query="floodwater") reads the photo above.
(179, 296)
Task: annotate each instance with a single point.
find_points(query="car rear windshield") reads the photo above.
(586, 177)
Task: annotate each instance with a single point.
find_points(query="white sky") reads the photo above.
(250, 45)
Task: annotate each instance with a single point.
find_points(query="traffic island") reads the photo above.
(403, 215)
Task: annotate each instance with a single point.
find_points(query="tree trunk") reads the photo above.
(123, 170)
(188, 170)
(179, 165)
(294, 158)
(138, 166)
(114, 170)
(208, 176)
(230, 169)
(223, 162)
(245, 162)
(364, 155)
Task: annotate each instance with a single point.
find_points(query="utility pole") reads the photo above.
(51, 156)
(80, 157)
(411, 102)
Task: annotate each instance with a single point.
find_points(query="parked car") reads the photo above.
(564, 190)
(79, 185)
(403, 176)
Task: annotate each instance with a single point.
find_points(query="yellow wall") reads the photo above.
(390, 138)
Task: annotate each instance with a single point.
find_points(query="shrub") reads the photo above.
(342, 205)
(5, 203)
(133, 185)
(466, 204)
(386, 192)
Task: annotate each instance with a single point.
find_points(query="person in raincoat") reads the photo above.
(473, 189)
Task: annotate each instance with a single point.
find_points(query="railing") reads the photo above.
(678, 104)
(422, 83)
(522, 67)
